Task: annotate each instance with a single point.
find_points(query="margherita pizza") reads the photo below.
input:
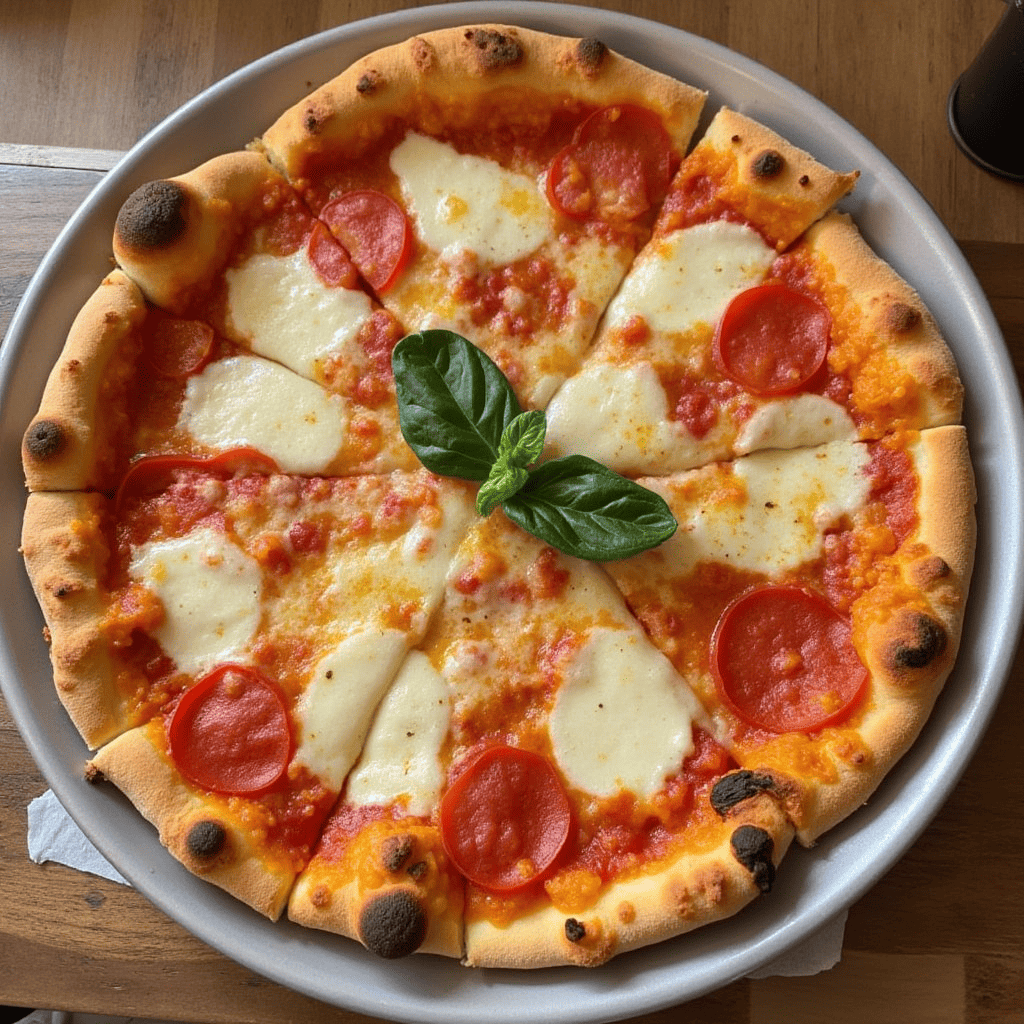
(479, 520)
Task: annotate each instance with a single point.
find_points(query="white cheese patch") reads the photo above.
(623, 719)
(402, 753)
(797, 421)
(280, 307)
(690, 276)
(337, 708)
(789, 500)
(462, 202)
(210, 590)
(618, 415)
(248, 401)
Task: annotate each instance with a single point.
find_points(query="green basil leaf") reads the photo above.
(503, 482)
(584, 509)
(454, 403)
(523, 439)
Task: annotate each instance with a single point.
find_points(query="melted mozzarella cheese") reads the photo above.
(210, 590)
(690, 276)
(618, 415)
(245, 401)
(797, 421)
(623, 719)
(337, 707)
(401, 758)
(789, 500)
(463, 202)
(281, 308)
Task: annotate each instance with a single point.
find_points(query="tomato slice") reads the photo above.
(505, 819)
(230, 733)
(375, 231)
(784, 660)
(617, 166)
(176, 348)
(154, 473)
(772, 339)
(329, 259)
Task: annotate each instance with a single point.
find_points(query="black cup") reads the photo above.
(986, 104)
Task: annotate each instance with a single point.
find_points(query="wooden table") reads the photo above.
(83, 81)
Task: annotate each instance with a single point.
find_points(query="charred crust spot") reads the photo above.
(153, 215)
(44, 440)
(495, 50)
(804, 180)
(767, 164)
(735, 139)
(575, 931)
(753, 848)
(311, 122)
(393, 924)
(369, 83)
(397, 850)
(925, 642)
(417, 871)
(206, 839)
(93, 774)
(901, 318)
(736, 787)
(422, 55)
(62, 590)
(590, 54)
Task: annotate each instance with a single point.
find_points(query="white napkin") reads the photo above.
(53, 836)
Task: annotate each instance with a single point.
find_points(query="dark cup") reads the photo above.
(986, 104)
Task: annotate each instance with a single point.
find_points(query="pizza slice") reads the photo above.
(555, 780)
(224, 641)
(493, 181)
(230, 244)
(814, 599)
(708, 351)
(134, 381)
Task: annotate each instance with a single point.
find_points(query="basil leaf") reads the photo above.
(454, 403)
(503, 482)
(523, 439)
(584, 509)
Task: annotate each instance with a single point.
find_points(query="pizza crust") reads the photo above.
(666, 900)
(451, 72)
(65, 557)
(199, 834)
(69, 445)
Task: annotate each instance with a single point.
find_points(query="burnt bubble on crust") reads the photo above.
(575, 931)
(767, 164)
(924, 642)
(494, 49)
(206, 839)
(901, 318)
(393, 924)
(153, 216)
(753, 847)
(397, 850)
(590, 54)
(732, 789)
(44, 440)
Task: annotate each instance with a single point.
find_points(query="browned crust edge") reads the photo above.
(895, 315)
(133, 764)
(65, 558)
(456, 67)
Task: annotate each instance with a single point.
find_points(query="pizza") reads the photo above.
(502, 509)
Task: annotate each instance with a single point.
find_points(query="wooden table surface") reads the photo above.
(941, 937)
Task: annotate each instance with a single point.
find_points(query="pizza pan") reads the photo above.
(814, 885)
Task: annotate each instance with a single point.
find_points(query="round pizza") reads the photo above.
(498, 511)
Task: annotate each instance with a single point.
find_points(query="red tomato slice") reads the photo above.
(154, 473)
(784, 660)
(772, 339)
(505, 819)
(329, 259)
(375, 231)
(617, 166)
(230, 734)
(176, 348)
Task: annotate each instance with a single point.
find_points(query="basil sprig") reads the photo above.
(459, 414)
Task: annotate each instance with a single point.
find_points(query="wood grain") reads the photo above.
(886, 67)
